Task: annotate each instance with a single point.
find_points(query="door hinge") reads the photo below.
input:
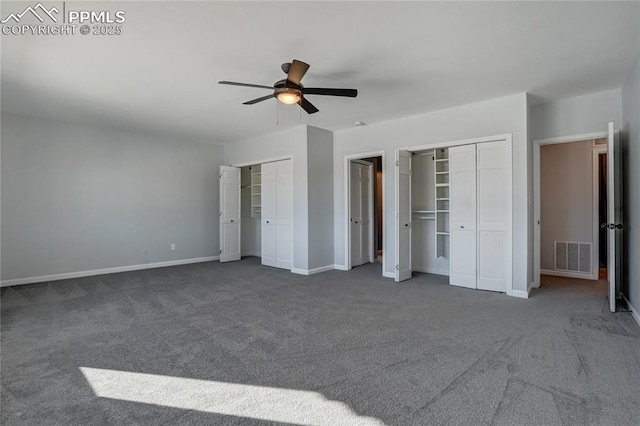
(397, 163)
(397, 267)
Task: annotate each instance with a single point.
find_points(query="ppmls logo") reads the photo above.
(43, 20)
(33, 11)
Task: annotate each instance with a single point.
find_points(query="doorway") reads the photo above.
(572, 253)
(365, 210)
(570, 209)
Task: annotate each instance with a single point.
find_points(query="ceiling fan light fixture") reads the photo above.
(289, 96)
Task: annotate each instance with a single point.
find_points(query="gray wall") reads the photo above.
(566, 196)
(320, 169)
(631, 170)
(578, 115)
(77, 198)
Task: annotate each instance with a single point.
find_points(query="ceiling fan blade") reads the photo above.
(297, 70)
(308, 106)
(326, 91)
(255, 101)
(233, 83)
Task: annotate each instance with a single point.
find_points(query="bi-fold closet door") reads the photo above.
(277, 214)
(480, 214)
(480, 192)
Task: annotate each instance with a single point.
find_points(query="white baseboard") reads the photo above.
(313, 271)
(340, 267)
(532, 285)
(389, 274)
(567, 274)
(80, 274)
(431, 271)
(519, 293)
(634, 312)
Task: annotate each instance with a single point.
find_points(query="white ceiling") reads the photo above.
(404, 58)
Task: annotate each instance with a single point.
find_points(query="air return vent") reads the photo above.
(572, 257)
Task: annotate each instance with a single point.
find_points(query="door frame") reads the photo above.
(508, 137)
(271, 160)
(347, 202)
(537, 144)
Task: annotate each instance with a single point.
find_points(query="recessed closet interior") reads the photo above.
(430, 211)
(251, 210)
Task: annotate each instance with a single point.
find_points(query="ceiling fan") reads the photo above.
(290, 91)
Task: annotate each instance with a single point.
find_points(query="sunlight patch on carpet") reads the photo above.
(232, 399)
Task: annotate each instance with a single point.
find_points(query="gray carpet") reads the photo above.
(337, 345)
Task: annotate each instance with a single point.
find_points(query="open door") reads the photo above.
(614, 216)
(361, 212)
(403, 215)
(229, 213)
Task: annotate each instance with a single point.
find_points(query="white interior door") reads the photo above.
(494, 216)
(229, 213)
(462, 193)
(361, 216)
(283, 214)
(403, 215)
(614, 216)
(269, 214)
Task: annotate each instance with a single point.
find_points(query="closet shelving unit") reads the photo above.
(256, 191)
(441, 179)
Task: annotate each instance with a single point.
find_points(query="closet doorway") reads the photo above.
(256, 212)
(365, 210)
(453, 213)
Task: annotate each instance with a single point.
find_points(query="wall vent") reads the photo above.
(572, 257)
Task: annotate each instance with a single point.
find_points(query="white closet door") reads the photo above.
(229, 213)
(283, 214)
(403, 215)
(462, 193)
(367, 212)
(361, 205)
(355, 221)
(494, 216)
(269, 214)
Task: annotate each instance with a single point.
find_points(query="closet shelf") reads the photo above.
(441, 160)
(442, 173)
(441, 185)
(442, 233)
(442, 199)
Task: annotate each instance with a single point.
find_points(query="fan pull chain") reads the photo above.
(277, 114)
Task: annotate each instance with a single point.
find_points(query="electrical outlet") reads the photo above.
(173, 246)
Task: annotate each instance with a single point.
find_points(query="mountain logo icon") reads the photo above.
(38, 11)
